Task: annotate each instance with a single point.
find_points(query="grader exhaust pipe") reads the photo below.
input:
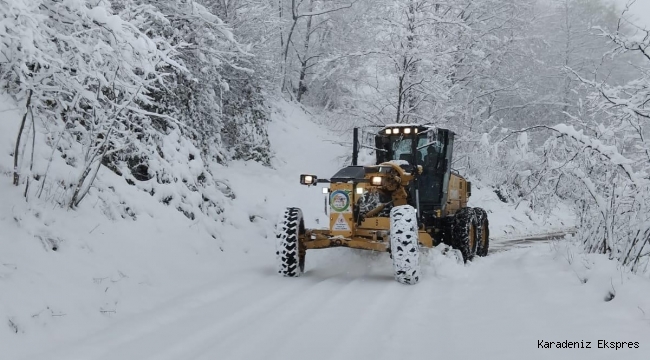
(355, 146)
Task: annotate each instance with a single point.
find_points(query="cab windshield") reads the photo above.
(401, 149)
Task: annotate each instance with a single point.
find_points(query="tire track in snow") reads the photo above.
(274, 326)
(428, 307)
(167, 325)
(379, 315)
(328, 324)
(144, 324)
(412, 314)
(197, 334)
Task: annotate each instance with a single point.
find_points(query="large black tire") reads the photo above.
(463, 233)
(404, 245)
(290, 250)
(482, 232)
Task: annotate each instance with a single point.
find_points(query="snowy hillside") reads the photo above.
(157, 285)
(66, 272)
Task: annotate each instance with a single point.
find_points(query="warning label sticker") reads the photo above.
(341, 224)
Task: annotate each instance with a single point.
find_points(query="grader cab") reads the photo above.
(410, 198)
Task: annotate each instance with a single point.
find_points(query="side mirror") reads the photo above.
(469, 189)
(432, 135)
(380, 144)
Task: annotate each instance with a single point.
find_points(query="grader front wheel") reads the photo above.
(290, 250)
(404, 245)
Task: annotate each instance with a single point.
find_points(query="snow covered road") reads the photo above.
(347, 306)
(509, 242)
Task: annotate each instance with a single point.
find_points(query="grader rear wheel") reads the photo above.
(483, 232)
(464, 233)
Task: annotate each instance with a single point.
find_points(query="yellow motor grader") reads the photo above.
(410, 198)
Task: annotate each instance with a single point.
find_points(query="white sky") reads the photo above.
(640, 11)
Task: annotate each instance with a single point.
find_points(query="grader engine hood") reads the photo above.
(358, 192)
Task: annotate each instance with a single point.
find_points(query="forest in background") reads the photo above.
(550, 99)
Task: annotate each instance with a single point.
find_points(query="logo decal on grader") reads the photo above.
(340, 201)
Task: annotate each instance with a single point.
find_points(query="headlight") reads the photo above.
(359, 191)
(308, 179)
(389, 131)
(395, 130)
(376, 180)
(407, 130)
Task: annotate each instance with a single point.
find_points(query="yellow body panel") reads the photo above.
(425, 239)
(342, 198)
(322, 239)
(456, 194)
(381, 223)
(356, 243)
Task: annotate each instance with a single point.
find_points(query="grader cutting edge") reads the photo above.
(410, 198)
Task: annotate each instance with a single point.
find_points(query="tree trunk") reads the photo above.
(19, 137)
(286, 54)
(280, 16)
(567, 57)
(412, 70)
(400, 89)
(305, 57)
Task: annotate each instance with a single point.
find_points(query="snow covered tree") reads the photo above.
(560, 35)
(154, 91)
(83, 70)
(603, 166)
(203, 93)
(623, 229)
(312, 11)
(527, 82)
